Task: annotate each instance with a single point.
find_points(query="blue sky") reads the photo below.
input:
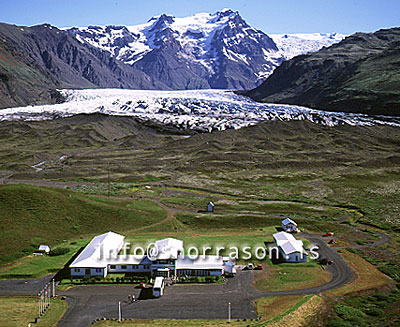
(279, 16)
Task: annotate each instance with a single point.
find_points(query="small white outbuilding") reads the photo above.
(44, 248)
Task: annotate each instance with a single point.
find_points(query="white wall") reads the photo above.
(294, 257)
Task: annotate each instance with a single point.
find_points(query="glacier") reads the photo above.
(198, 110)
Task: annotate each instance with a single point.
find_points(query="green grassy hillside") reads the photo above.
(31, 215)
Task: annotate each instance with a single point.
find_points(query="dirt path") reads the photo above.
(171, 216)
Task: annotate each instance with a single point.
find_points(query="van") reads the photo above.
(158, 288)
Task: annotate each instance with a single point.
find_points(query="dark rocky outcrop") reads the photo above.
(359, 74)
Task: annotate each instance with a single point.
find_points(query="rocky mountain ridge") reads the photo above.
(199, 52)
(34, 61)
(359, 74)
(218, 51)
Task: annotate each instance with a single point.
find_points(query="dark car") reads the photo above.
(325, 261)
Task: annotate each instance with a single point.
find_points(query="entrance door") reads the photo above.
(87, 271)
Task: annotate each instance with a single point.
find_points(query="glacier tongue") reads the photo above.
(201, 110)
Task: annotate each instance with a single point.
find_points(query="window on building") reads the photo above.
(146, 266)
(99, 270)
(77, 270)
(135, 267)
(162, 262)
(123, 267)
(113, 267)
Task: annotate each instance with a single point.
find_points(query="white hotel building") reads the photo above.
(102, 256)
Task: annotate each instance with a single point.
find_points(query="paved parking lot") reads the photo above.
(23, 287)
(179, 302)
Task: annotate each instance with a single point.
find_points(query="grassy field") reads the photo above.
(37, 266)
(35, 215)
(288, 276)
(19, 311)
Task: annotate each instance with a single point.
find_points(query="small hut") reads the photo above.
(44, 249)
(210, 207)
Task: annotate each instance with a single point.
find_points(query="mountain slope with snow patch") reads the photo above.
(219, 51)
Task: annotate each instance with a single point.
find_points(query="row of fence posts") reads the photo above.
(44, 297)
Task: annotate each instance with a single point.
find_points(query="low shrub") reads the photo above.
(58, 251)
(375, 312)
(350, 314)
(337, 322)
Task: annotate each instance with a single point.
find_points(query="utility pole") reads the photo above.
(229, 312)
(108, 180)
(119, 312)
(54, 288)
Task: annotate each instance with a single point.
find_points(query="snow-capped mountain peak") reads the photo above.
(292, 45)
(205, 50)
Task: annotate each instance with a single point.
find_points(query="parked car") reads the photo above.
(325, 261)
(258, 267)
(329, 234)
(332, 241)
(250, 266)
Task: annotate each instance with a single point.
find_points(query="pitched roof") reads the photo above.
(283, 237)
(129, 259)
(288, 243)
(291, 247)
(96, 254)
(207, 262)
(168, 248)
(288, 221)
